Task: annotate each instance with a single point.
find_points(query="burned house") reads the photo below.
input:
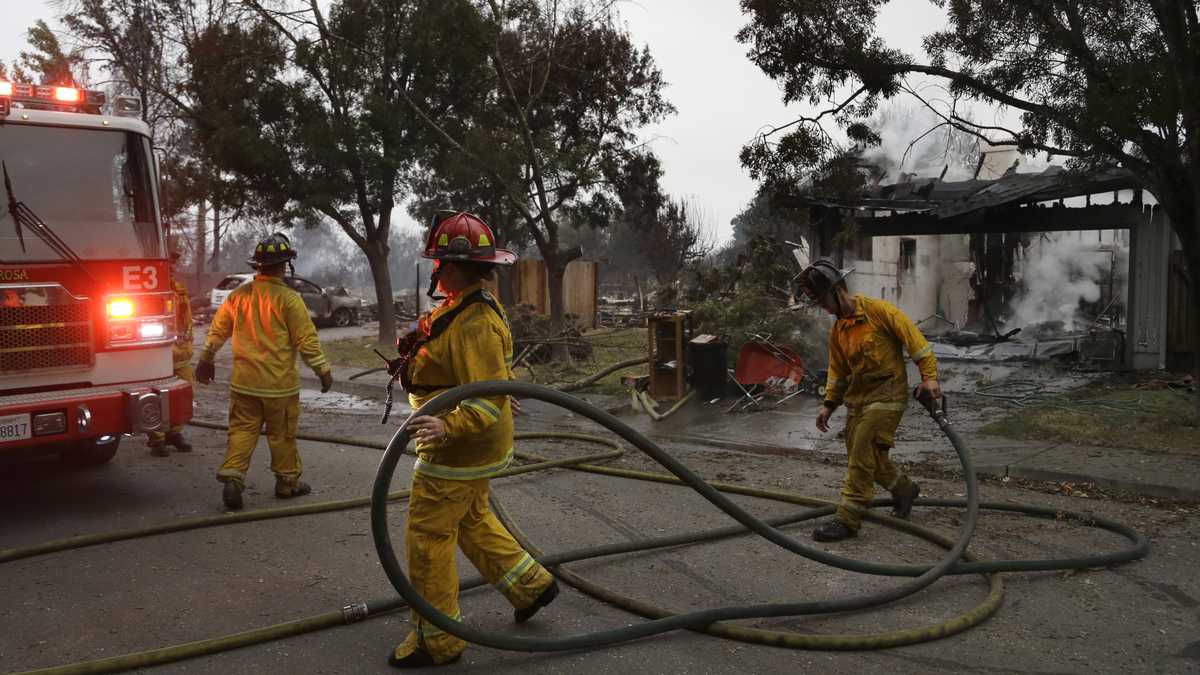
(1053, 254)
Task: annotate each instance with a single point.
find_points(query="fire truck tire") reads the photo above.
(343, 317)
(91, 453)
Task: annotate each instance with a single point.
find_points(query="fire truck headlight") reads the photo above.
(143, 320)
(152, 330)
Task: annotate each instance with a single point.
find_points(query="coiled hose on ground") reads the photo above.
(956, 561)
(924, 575)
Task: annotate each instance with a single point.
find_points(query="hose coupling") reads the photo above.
(355, 613)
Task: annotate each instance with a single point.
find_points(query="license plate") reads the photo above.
(15, 428)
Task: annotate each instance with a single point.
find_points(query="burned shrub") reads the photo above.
(533, 337)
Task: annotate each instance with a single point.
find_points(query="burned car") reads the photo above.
(329, 306)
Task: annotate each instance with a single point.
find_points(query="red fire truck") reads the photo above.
(87, 315)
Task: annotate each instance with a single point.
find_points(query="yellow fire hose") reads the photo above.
(641, 401)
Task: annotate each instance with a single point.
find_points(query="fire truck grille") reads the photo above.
(43, 337)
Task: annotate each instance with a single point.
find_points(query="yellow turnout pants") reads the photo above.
(441, 514)
(870, 434)
(246, 417)
(184, 372)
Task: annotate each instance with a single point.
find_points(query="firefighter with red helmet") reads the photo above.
(466, 339)
(868, 375)
(269, 324)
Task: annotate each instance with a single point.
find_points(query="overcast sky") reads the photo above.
(722, 99)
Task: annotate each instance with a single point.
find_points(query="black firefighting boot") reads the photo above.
(232, 495)
(285, 489)
(418, 659)
(834, 530)
(158, 448)
(176, 439)
(547, 597)
(904, 500)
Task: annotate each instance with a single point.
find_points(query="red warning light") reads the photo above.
(66, 94)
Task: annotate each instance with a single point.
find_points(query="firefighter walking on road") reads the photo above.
(868, 375)
(464, 340)
(181, 353)
(269, 324)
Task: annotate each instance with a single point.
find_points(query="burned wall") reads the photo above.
(926, 276)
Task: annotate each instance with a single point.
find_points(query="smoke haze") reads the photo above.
(1059, 272)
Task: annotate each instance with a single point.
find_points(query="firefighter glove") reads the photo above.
(205, 372)
(326, 381)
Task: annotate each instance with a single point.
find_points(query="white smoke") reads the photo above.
(915, 140)
(1059, 272)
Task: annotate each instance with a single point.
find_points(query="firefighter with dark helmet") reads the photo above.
(868, 375)
(466, 339)
(181, 353)
(269, 324)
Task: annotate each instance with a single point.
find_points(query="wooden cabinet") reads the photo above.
(668, 336)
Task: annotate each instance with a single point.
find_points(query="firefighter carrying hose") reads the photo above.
(181, 353)
(867, 374)
(269, 324)
(466, 339)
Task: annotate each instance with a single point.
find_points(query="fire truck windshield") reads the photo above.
(92, 188)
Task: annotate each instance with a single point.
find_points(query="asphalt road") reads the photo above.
(141, 594)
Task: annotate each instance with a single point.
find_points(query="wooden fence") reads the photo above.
(530, 286)
(1182, 342)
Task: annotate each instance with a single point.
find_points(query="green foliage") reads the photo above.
(1104, 82)
(340, 142)
(548, 128)
(749, 311)
(45, 62)
(651, 232)
(761, 217)
(146, 48)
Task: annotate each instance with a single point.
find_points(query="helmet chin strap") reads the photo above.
(433, 282)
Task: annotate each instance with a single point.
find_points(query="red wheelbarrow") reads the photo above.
(765, 369)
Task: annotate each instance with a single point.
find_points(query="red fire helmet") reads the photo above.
(458, 235)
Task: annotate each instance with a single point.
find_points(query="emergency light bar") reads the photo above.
(66, 94)
(50, 97)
